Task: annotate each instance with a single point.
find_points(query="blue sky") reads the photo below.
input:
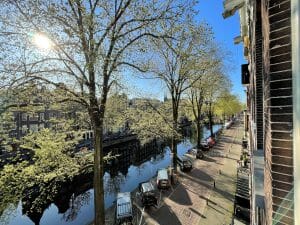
(224, 30)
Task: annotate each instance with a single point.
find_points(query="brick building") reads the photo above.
(33, 121)
(270, 35)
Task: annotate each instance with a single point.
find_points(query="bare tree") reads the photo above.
(176, 64)
(220, 84)
(90, 41)
(205, 90)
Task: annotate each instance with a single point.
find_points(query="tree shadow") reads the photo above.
(218, 148)
(208, 183)
(196, 173)
(196, 212)
(226, 139)
(207, 199)
(208, 159)
(216, 210)
(183, 198)
(165, 215)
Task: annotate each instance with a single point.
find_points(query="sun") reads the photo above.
(42, 41)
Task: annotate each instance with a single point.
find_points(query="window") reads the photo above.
(24, 116)
(24, 129)
(33, 117)
(41, 126)
(33, 127)
(42, 116)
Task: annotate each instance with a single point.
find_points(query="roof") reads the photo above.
(124, 206)
(162, 174)
(147, 187)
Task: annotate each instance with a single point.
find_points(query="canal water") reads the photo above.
(77, 207)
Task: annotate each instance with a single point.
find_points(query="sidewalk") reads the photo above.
(195, 200)
(219, 210)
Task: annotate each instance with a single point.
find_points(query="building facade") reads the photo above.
(270, 36)
(34, 121)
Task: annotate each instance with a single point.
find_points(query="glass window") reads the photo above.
(33, 127)
(24, 116)
(33, 117)
(24, 129)
(42, 116)
(41, 126)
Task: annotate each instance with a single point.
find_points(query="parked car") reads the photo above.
(228, 124)
(184, 163)
(162, 179)
(211, 142)
(199, 154)
(124, 213)
(204, 146)
(196, 152)
(147, 194)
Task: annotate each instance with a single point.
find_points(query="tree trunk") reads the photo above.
(174, 150)
(198, 124)
(210, 122)
(174, 139)
(98, 171)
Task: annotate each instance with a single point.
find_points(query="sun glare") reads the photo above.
(42, 41)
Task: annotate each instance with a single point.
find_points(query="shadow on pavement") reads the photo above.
(219, 148)
(209, 184)
(226, 140)
(165, 216)
(216, 210)
(196, 212)
(183, 198)
(210, 203)
(208, 159)
(208, 200)
(196, 173)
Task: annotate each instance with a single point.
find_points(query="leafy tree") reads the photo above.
(219, 84)
(177, 61)
(50, 166)
(199, 91)
(91, 42)
(149, 121)
(227, 105)
(116, 106)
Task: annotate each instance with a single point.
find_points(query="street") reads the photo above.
(206, 194)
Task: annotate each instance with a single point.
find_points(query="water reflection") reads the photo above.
(74, 204)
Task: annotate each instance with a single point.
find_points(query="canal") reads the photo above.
(76, 206)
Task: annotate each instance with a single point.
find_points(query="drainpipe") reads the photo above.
(295, 23)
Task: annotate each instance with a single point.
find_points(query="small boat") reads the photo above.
(162, 179)
(147, 193)
(124, 213)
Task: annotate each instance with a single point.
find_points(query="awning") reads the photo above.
(231, 6)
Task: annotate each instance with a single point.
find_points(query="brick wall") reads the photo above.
(276, 26)
(259, 77)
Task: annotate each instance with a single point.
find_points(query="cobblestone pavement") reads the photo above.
(195, 200)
